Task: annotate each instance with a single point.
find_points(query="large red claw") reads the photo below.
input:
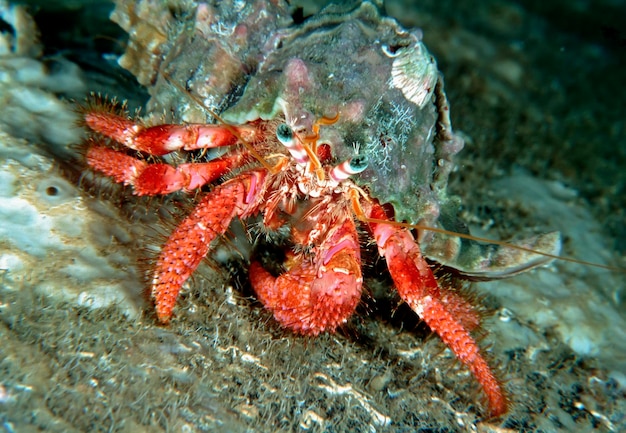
(311, 298)
(161, 139)
(106, 119)
(190, 242)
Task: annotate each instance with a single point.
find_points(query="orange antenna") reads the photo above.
(310, 144)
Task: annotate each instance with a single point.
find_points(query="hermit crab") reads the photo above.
(332, 127)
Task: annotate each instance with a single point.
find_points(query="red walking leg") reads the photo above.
(418, 287)
(159, 178)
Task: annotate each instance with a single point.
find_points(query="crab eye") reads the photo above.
(354, 165)
(358, 163)
(284, 133)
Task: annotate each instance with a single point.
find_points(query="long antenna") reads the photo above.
(492, 241)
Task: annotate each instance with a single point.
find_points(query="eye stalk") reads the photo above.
(354, 165)
(286, 136)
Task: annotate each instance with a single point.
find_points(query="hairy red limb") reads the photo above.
(418, 287)
(159, 178)
(317, 295)
(162, 139)
(190, 241)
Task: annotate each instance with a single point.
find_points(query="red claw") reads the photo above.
(158, 178)
(313, 297)
(190, 242)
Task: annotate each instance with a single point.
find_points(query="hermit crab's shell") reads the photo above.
(379, 79)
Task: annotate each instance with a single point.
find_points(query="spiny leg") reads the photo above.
(159, 140)
(159, 178)
(418, 287)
